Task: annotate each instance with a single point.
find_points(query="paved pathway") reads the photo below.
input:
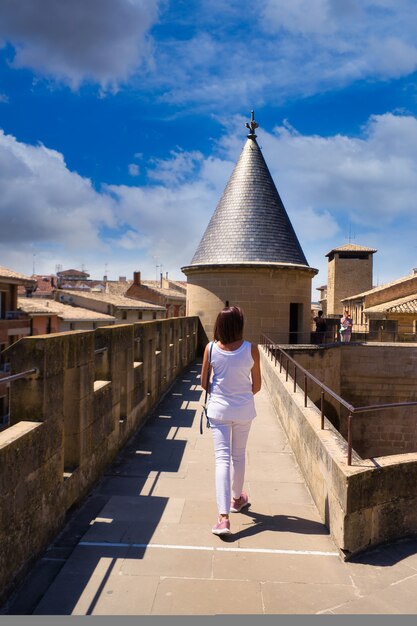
(141, 543)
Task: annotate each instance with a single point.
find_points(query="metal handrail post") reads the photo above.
(349, 459)
(305, 391)
(322, 408)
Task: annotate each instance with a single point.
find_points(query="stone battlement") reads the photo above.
(93, 390)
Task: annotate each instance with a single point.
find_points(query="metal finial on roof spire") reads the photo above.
(252, 125)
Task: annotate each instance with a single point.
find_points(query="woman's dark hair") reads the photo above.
(229, 325)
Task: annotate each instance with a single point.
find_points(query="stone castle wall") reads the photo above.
(70, 420)
(264, 294)
(364, 504)
(364, 375)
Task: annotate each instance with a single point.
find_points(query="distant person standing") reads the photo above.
(346, 324)
(321, 327)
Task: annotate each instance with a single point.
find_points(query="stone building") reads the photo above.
(168, 293)
(250, 256)
(349, 271)
(13, 323)
(387, 312)
(50, 316)
(124, 310)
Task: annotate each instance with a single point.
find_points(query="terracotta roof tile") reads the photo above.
(120, 301)
(15, 276)
(401, 305)
(41, 306)
(351, 247)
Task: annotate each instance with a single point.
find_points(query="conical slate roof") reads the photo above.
(250, 223)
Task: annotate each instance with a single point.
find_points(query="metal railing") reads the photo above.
(285, 359)
(25, 374)
(6, 380)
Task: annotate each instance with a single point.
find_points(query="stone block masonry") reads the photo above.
(364, 375)
(93, 391)
(373, 500)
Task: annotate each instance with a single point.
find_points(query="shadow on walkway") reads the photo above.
(140, 543)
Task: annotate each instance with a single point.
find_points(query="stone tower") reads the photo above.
(349, 272)
(250, 256)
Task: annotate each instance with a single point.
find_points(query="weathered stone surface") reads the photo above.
(364, 504)
(64, 433)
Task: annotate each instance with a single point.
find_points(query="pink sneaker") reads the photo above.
(237, 505)
(222, 527)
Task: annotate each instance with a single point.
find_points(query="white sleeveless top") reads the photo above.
(231, 394)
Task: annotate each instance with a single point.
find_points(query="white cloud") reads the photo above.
(365, 185)
(175, 169)
(42, 201)
(134, 169)
(201, 56)
(297, 48)
(331, 187)
(102, 41)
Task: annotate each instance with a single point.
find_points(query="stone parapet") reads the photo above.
(372, 501)
(93, 390)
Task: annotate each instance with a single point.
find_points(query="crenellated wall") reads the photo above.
(92, 391)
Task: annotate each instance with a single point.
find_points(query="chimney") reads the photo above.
(105, 279)
(166, 275)
(136, 278)
(122, 279)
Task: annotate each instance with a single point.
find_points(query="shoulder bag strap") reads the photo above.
(206, 394)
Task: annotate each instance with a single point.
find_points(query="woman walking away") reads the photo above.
(231, 409)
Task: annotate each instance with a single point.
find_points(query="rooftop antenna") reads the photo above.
(33, 265)
(156, 266)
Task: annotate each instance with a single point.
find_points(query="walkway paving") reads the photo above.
(141, 542)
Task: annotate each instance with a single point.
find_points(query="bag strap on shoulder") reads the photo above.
(206, 394)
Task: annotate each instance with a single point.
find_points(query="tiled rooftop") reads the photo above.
(401, 305)
(250, 223)
(119, 301)
(171, 293)
(352, 247)
(10, 274)
(41, 306)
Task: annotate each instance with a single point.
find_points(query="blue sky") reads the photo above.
(121, 121)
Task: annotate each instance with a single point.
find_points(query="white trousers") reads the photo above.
(230, 438)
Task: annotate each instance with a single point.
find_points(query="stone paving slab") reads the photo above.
(210, 597)
(302, 598)
(141, 543)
